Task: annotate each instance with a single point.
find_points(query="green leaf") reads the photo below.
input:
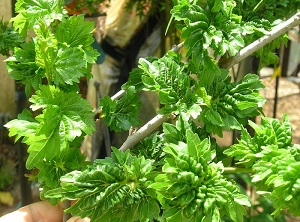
(135, 79)
(65, 116)
(79, 37)
(192, 187)
(42, 147)
(276, 176)
(74, 112)
(30, 11)
(22, 66)
(232, 103)
(208, 71)
(121, 114)
(9, 38)
(24, 126)
(151, 148)
(68, 66)
(214, 117)
(271, 134)
(112, 189)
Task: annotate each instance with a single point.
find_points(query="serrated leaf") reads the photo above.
(107, 191)
(193, 141)
(79, 37)
(30, 11)
(214, 117)
(236, 42)
(135, 79)
(75, 113)
(120, 115)
(185, 197)
(24, 126)
(68, 67)
(9, 38)
(65, 116)
(22, 67)
(42, 147)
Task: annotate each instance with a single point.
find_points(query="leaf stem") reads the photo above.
(254, 46)
(237, 170)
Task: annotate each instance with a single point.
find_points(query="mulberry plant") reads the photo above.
(178, 173)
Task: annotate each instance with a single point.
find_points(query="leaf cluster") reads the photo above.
(65, 116)
(168, 77)
(9, 38)
(62, 56)
(267, 10)
(116, 189)
(30, 12)
(173, 175)
(191, 187)
(232, 103)
(274, 160)
(50, 64)
(121, 115)
(219, 104)
(226, 27)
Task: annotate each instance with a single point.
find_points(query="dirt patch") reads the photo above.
(288, 102)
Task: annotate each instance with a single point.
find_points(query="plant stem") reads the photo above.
(176, 48)
(253, 47)
(237, 170)
(144, 131)
(118, 95)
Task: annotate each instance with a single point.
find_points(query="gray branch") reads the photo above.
(144, 131)
(261, 42)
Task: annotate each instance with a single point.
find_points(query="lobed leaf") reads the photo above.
(30, 11)
(113, 189)
(22, 67)
(121, 114)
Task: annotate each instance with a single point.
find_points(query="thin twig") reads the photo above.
(144, 131)
(118, 95)
(176, 48)
(254, 46)
(237, 170)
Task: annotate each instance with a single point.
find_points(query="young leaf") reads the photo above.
(113, 189)
(74, 112)
(9, 38)
(271, 134)
(30, 11)
(232, 103)
(22, 67)
(65, 116)
(192, 187)
(80, 37)
(62, 65)
(121, 114)
(24, 126)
